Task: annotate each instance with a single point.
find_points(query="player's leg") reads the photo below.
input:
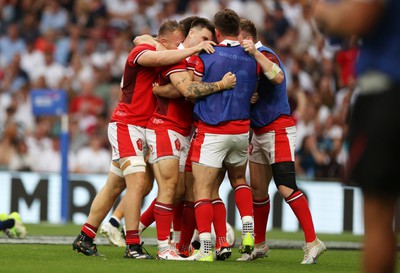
(222, 247)
(165, 153)
(100, 207)
(283, 170)
(204, 178)
(147, 217)
(188, 215)
(177, 210)
(167, 176)
(129, 145)
(380, 239)
(260, 177)
(244, 203)
(209, 151)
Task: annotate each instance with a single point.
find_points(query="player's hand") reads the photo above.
(228, 81)
(249, 47)
(207, 46)
(254, 98)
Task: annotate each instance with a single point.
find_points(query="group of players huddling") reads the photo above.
(185, 114)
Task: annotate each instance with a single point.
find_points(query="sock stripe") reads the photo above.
(217, 201)
(162, 206)
(294, 197)
(242, 187)
(202, 202)
(260, 203)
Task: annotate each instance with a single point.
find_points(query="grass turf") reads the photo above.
(61, 259)
(21, 258)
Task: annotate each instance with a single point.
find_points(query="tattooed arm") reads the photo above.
(192, 89)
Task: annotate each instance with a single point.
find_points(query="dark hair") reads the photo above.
(169, 26)
(186, 24)
(249, 28)
(227, 22)
(203, 23)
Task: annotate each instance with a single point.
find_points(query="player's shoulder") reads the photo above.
(142, 47)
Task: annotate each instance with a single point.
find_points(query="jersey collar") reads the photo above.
(258, 45)
(229, 43)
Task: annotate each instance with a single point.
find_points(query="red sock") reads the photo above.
(204, 215)
(189, 218)
(163, 216)
(261, 212)
(89, 230)
(132, 237)
(298, 202)
(147, 217)
(219, 222)
(244, 200)
(177, 213)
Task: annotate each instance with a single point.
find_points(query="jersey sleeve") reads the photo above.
(271, 57)
(178, 67)
(197, 65)
(138, 51)
(191, 62)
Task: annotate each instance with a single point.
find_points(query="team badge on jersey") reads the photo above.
(139, 144)
(177, 144)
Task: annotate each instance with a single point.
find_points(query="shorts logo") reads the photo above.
(177, 144)
(139, 144)
(151, 148)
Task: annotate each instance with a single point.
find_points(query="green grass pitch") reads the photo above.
(32, 258)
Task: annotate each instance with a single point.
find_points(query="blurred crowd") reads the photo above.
(81, 46)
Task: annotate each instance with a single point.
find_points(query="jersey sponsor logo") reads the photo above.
(234, 56)
(158, 121)
(120, 113)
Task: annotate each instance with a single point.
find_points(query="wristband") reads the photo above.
(275, 70)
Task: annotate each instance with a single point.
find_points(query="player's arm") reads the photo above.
(145, 39)
(168, 57)
(348, 17)
(271, 69)
(193, 89)
(167, 91)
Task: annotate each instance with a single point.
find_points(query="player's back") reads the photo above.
(232, 104)
(137, 101)
(273, 100)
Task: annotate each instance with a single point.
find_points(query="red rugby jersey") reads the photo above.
(173, 114)
(137, 102)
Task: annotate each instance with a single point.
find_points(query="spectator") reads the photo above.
(84, 162)
(52, 72)
(22, 160)
(54, 17)
(11, 44)
(8, 142)
(14, 77)
(31, 58)
(309, 159)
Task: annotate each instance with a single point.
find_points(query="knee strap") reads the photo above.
(284, 174)
(132, 164)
